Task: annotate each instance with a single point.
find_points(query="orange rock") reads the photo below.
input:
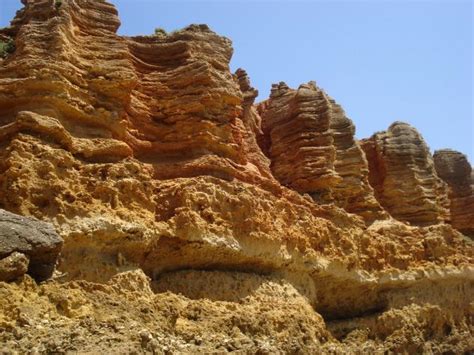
(140, 140)
(311, 144)
(401, 171)
(146, 153)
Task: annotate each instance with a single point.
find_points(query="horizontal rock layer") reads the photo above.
(215, 311)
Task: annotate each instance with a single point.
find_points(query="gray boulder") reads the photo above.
(36, 239)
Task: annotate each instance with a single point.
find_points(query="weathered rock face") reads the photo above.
(163, 177)
(252, 121)
(296, 126)
(13, 266)
(139, 99)
(36, 239)
(354, 192)
(454, 168)
(403, 176)
(185, 111)
(311, 144)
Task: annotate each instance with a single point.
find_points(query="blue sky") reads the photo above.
(381, 60)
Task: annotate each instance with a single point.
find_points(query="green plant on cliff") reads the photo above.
(58, 3)
(160, 31)
(6, 48)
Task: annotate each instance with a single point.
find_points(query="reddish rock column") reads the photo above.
(403, 176)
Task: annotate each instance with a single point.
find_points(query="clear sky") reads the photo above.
(381, 60)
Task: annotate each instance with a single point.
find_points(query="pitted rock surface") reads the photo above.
(196, 220)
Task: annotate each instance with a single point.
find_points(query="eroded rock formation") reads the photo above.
(311, 144)
(186, 209)
(403, 176)
(454, 168)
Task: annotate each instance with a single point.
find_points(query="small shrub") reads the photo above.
(160, 31)
(58, 3)
(7, 48)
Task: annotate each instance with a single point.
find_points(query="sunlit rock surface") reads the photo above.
(403, 176)
(311, 144)
(195, 220)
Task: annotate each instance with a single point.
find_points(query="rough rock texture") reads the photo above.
(252, 121)
(37, 239)
(242, 313)
(185, 214)
(454, 168)
(403, 176)
(311, 144)
(300, 146)
(13, 266)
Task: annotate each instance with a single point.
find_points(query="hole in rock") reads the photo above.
(340, 298)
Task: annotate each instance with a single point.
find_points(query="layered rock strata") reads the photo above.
(354, 192)
(154, 164)
(311, 144)
(252, 121)
(403, 176)
(454, 168)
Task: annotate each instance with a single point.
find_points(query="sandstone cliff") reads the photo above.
(454, 168)
(311, 144)
(195, 220)
(403, 176)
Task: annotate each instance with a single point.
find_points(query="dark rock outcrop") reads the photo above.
(300, 145)
(36, 239)
(354, 192)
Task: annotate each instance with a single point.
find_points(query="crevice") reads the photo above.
(341, 328)
(354, 314)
